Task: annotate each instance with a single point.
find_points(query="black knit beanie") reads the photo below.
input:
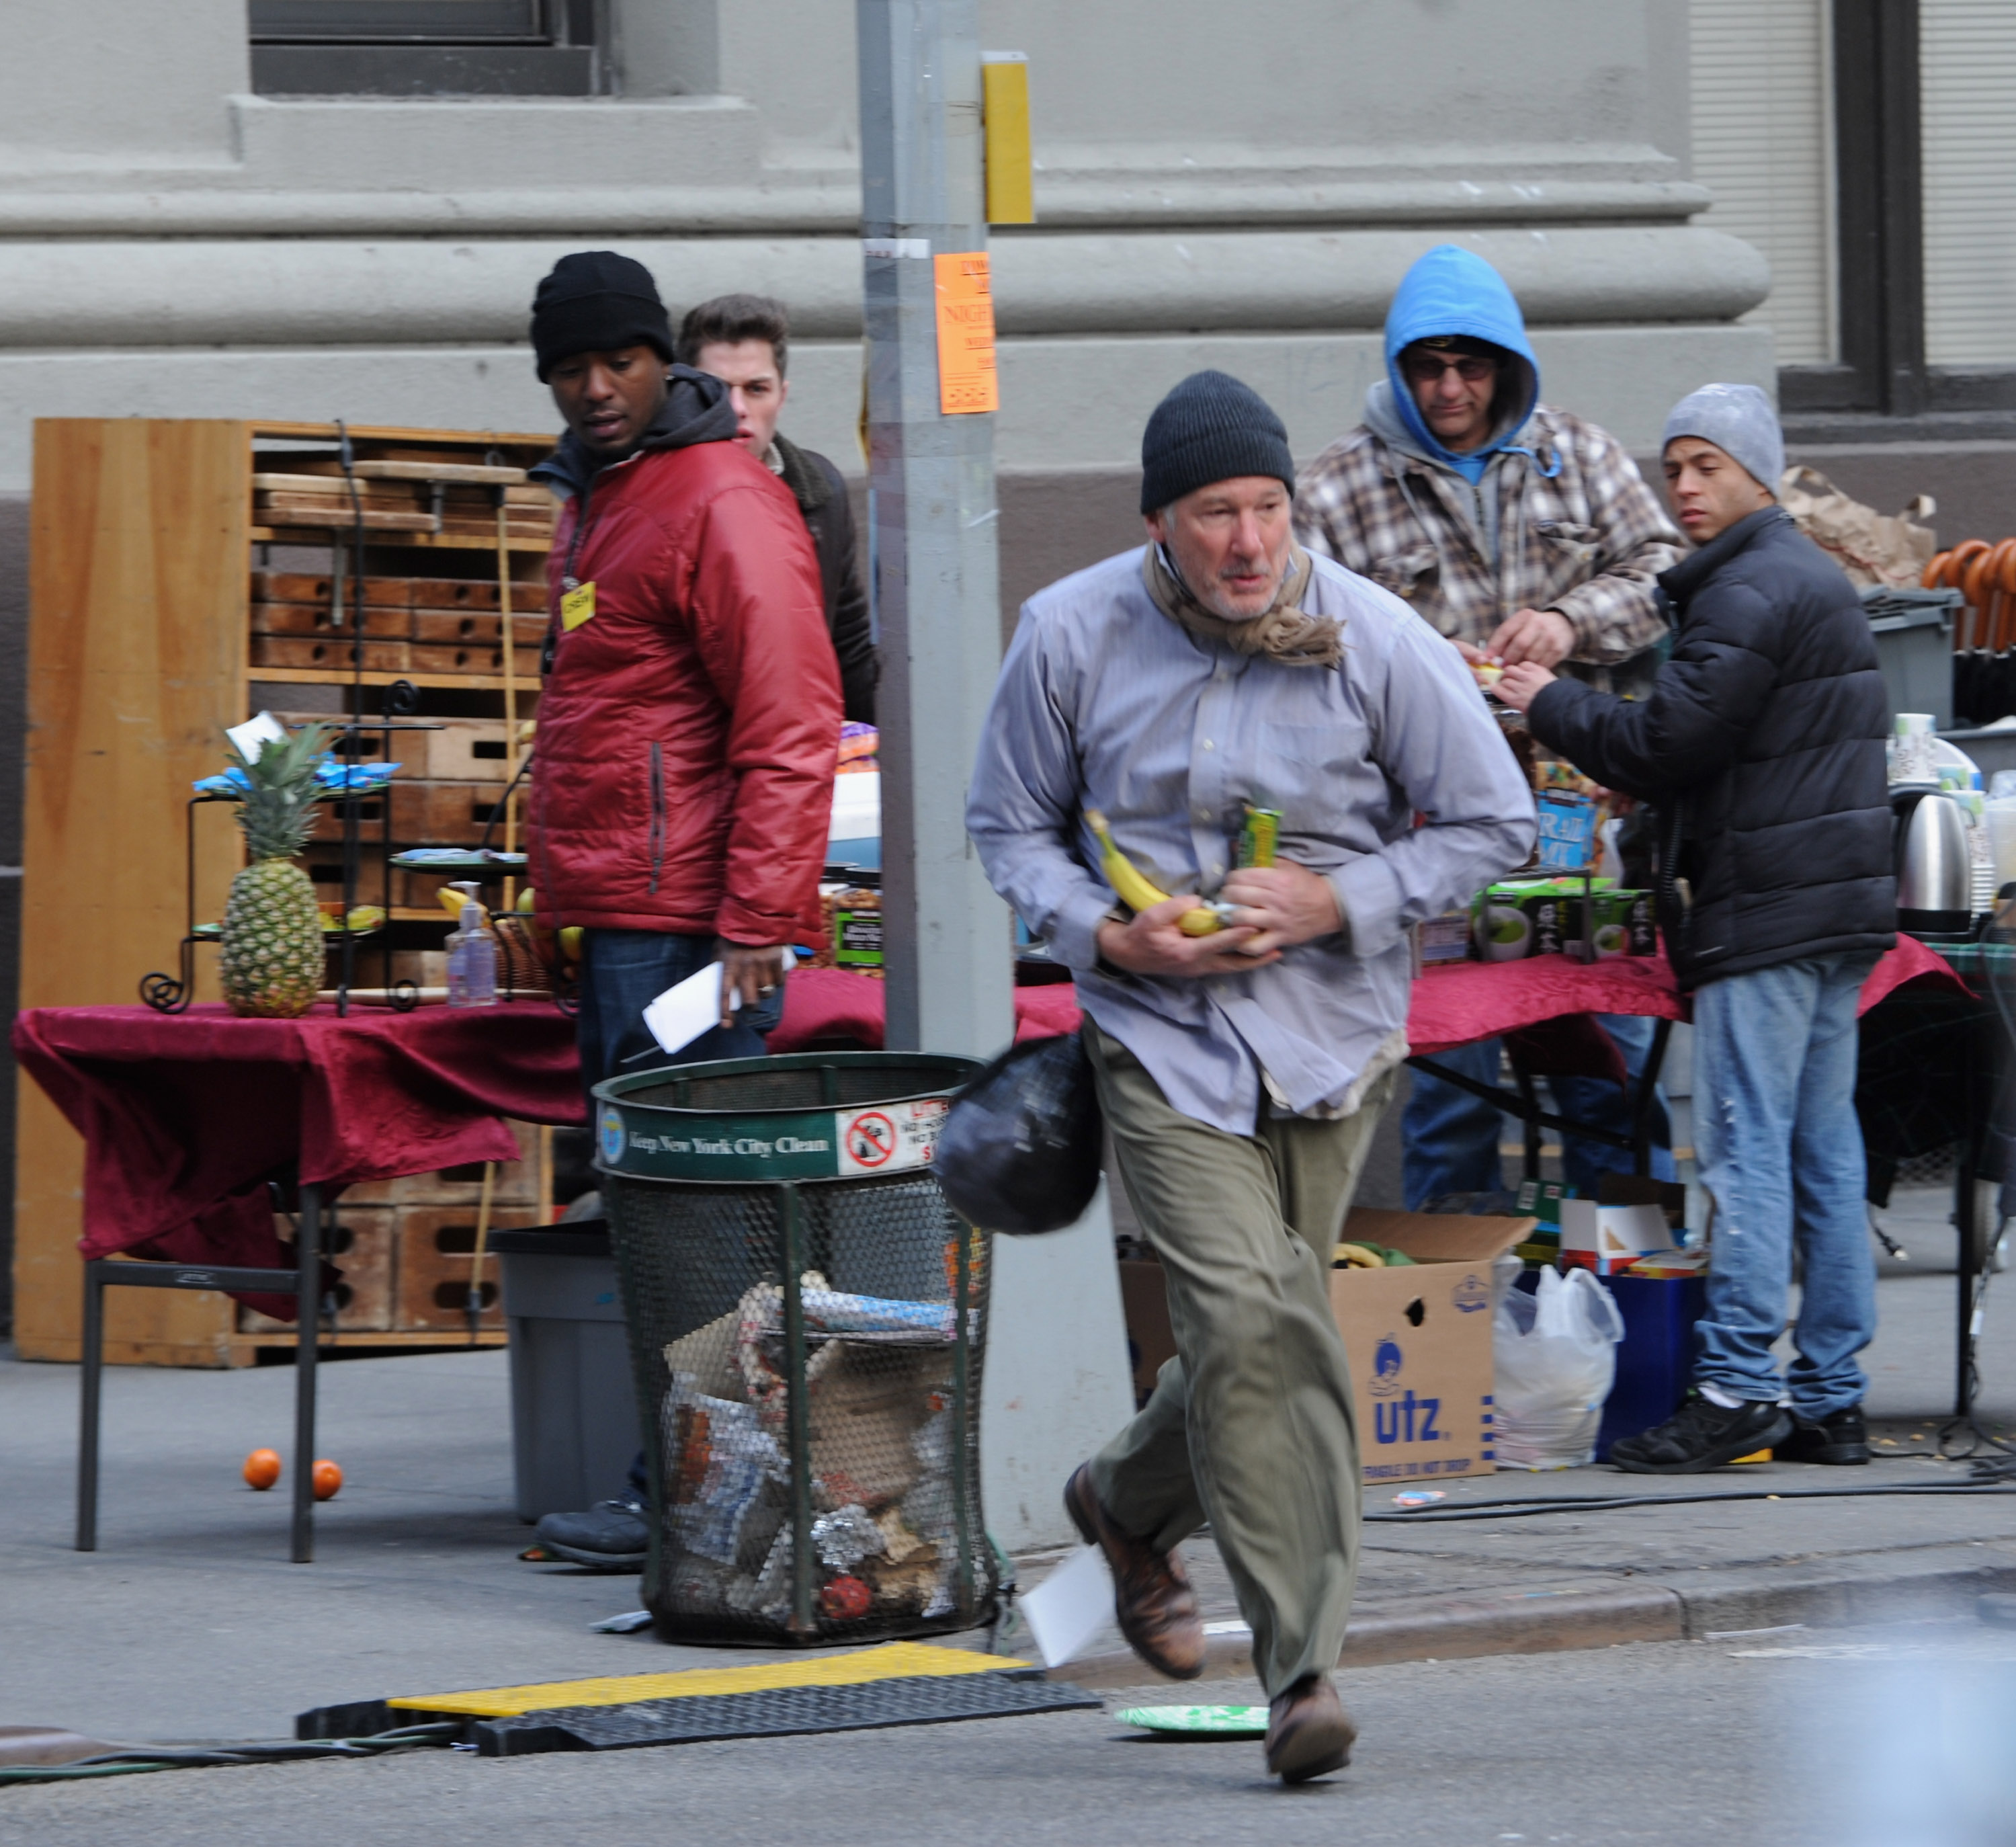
(1210, 428)
(596, 301)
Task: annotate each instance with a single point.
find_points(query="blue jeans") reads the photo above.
(1780, 1152)
(622, 972)
(1451, 1137)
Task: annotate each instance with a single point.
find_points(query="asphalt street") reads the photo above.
(1893, 1738)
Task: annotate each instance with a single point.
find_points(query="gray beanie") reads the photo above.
(1210, 428)
(1739, 420)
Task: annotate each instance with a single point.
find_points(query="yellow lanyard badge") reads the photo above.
(578, 606)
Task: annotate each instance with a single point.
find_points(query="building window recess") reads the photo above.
(426, 48)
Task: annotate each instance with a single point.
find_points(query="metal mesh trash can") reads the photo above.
(806, 1322)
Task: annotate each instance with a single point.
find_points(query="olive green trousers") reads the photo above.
(1251, 1426)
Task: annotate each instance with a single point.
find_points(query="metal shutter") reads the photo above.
(1763, 135)
(1967, 66)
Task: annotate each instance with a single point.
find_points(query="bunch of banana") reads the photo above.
(569, 937)
(362, 917)
(1137, 892)
(1362, 1256)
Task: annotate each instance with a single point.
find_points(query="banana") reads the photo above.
(1135, 890)
(571, 937)
(1359, 1257)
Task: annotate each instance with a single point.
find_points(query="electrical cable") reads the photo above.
(126, 1760)
(1601, 1503)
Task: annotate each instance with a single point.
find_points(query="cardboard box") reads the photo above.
(1418, 1337)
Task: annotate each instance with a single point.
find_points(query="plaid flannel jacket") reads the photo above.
(1588, 540)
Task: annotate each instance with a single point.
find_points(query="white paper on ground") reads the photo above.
(686, 1010)
(254, 735)
(1070, 1607)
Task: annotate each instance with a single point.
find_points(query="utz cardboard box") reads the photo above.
(1418, 1337)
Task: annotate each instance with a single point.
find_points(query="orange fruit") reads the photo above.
(328, 1479)
(262, 1468)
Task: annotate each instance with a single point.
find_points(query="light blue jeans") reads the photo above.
(1450, 1137)
(1780, 1151)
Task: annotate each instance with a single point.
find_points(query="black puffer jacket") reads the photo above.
(816, 485)
(1761, 745)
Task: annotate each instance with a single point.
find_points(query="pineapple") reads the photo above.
(272, 934)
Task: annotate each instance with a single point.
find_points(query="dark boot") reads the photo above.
(1308, 1732)
(1840, 1439)
(1153, 1601)
(1700, 1436)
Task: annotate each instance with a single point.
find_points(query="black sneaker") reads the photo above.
(1840, 1440)
(1700, 1436)
(611, 1536)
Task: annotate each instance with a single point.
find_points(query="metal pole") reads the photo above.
(307, 1336)
(87, 1436)
(938, 591)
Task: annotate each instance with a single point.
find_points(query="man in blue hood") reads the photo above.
(1522, 533)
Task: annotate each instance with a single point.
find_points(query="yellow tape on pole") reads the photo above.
(1004, 96)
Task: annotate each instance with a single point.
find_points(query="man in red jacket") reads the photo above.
(690, 721)
(690, 717)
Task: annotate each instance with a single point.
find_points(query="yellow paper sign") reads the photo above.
(577, 607)
(968, 381)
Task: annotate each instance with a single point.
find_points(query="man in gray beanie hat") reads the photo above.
(1147, 708)
(1739, 420)
(1761, 747)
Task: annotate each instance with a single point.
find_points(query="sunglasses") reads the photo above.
(1422, 367)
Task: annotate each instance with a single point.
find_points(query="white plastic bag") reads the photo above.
(1554, 1354)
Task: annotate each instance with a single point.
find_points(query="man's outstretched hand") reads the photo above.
(1521, 685)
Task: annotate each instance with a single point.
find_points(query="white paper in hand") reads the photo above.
(1070, 1607)
(682, 1014)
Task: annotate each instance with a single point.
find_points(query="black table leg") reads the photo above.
(308, 1337)
(87, 1440)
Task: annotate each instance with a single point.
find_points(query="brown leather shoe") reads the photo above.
(1153, 1601)
(1308, 1732)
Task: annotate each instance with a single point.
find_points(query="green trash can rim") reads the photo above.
(766, 1142)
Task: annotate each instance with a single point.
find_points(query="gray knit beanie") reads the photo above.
(1210, 428)
(1739, 420)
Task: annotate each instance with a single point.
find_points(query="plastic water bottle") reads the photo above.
(471, 961)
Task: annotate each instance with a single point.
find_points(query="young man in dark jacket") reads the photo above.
(744, 340)
(1761, 747)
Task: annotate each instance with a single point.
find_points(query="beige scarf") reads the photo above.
(1284, 632)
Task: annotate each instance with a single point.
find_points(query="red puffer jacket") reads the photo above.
(688, 729)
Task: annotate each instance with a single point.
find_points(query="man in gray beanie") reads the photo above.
(1146, 707)
(1762, 748)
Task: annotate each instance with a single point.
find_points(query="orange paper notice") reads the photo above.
(967, 378)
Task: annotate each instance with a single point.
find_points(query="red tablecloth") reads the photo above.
(184, 1116)
(1452, 1005)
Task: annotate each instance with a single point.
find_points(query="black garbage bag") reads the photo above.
(1019, 1151)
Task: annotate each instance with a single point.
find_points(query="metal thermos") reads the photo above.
(1935, 874)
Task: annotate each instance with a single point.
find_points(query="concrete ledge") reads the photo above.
(1602, 1612)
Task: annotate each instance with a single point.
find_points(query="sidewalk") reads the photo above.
(189, 1623)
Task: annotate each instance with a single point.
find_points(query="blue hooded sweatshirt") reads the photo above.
(1451, 291)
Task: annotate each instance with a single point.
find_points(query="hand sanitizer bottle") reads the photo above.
(471, 961)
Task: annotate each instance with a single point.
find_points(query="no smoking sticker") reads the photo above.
(891, 1139)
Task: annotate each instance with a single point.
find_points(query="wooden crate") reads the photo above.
(437, 1247)
(360, 1243)
(518, 1182)
(150, 590)
(319, 619)
(463, 751)
(445, 814)
(329, 655)
(474, 658)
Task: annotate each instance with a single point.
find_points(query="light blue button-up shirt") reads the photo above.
(1392, 780)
